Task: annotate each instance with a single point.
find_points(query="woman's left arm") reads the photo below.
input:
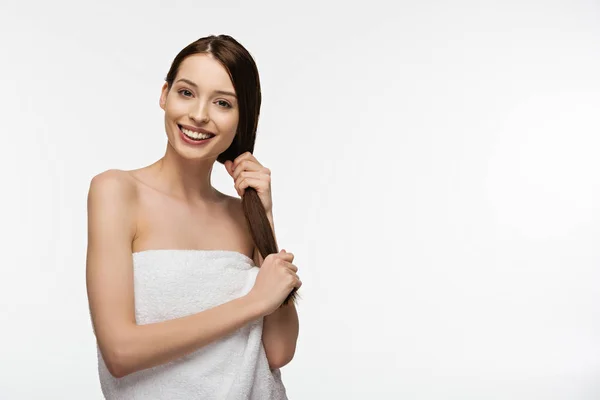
(280, 329)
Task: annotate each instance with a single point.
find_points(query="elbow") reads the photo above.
(119, 353)
(116, 362)
(116, 370)
(281, 359)
(115, 366)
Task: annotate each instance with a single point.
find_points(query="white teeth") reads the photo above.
(195, 135)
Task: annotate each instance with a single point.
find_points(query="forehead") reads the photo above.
(206, 72)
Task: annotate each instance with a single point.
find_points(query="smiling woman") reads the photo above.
(189, 295)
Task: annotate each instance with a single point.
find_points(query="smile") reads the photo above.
(193, 135)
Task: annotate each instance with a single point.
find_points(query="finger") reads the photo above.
(228, 167)
(245, 156)
(292, 267)
(248, 165)
(260, 185)
(253, 174)
(257, 184)
(238, 160)
(297, 281)
(287, 257)
(244, 165)
(293, 274)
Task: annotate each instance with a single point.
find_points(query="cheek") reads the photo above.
(227, 124)
(176, 108)
(234, 123)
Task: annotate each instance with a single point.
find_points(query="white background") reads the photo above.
(435, 171)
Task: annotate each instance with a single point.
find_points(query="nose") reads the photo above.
(199, 113)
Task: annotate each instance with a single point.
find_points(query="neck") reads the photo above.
(186, 179)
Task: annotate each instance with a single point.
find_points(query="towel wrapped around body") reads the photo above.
(170, 284)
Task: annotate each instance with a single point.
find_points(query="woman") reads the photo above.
(179, 305)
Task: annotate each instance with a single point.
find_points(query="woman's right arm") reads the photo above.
(125, 346)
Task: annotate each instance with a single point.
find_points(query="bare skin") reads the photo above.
(165, 221)
(144, 218)
(171, 204)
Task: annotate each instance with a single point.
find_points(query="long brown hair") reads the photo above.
(244, 75)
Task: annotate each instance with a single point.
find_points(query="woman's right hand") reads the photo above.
(275, 280)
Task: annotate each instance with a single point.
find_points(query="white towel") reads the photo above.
(170, 284)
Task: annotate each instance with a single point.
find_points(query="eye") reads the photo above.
(227, 105)
(184, 90)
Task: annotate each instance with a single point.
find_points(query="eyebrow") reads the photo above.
(196, 86)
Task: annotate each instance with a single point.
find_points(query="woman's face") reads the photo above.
(202, 97)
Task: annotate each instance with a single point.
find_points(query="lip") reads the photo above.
(194, 129)
(192, 142)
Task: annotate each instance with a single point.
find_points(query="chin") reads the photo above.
(201, 152)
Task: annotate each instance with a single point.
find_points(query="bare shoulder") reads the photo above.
(113, 180)
(115, 184)
(114, 189)
(109, 265)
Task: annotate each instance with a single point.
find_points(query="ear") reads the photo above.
(163, 96)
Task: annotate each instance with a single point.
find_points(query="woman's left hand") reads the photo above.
(246, 171)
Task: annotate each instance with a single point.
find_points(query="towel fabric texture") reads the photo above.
(171, 284)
